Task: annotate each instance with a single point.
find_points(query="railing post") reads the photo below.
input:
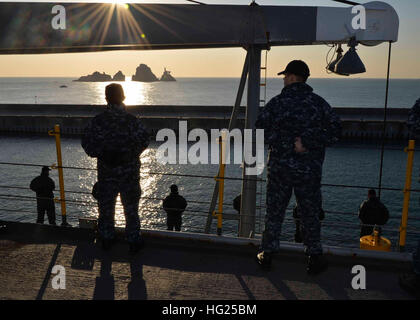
(407, 187)
(62, 199)
(221, 179)
(232, 125)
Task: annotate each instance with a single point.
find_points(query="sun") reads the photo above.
(122, 5)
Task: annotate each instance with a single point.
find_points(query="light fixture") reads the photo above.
(350, 63)
(331, 66)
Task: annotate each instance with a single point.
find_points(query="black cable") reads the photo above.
(352, 3)
(197, 2)
(384, 122)
(149, 172)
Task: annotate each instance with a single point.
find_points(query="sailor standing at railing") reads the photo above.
(44, 186)
(117, 138)
(298, 125)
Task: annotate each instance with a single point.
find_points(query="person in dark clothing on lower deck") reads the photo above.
(372, 212)
(44, 186)
(174, 205)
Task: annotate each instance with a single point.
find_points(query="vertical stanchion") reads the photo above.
(221, 180)
(407, 187)
(56, 133)
(232, 125)
(249, 183)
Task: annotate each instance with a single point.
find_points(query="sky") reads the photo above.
(228, 62)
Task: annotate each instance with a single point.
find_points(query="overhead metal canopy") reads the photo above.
(27, 28)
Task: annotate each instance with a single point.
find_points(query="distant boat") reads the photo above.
(166, 76)
(63, 86)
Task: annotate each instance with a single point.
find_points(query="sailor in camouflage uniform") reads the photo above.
(117, 138)
(298, 125)
(411, 281)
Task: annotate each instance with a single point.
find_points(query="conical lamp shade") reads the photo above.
(350, 63)
(331, 66)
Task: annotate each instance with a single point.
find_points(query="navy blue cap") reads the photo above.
(297, 67)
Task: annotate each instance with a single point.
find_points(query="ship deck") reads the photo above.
(178, 266)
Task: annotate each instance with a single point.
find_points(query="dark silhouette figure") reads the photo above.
(174, 205)
(372, 212)
(300, 231)
(117, 138)
(298, 125)
(44, 186)
(105, 283)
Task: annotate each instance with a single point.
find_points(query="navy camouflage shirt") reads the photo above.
(117, 139)
(298, 112)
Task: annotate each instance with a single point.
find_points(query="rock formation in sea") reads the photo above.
(144, 74)
(119, 76)
(166, 76)
(95, 77)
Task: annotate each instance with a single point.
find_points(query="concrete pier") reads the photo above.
(358, 123)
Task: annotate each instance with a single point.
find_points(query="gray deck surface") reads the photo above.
(171, 269)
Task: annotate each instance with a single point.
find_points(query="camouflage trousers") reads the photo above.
(307, 190)
(107, 192)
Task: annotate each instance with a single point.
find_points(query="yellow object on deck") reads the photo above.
(220, 178)
(407, 187)
(375, 242)
(56, 133)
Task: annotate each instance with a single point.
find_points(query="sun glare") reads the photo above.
(123, 5)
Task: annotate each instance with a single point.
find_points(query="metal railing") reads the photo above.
(72, 202)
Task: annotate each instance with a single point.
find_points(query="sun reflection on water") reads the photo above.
(136, 93)
(149, 208)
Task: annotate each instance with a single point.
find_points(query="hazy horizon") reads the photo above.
(354, 77)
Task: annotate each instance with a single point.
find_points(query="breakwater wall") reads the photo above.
(358, 123)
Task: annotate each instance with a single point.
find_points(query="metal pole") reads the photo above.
(249, 183)
(232, 124)
(384, 123)
(221, 181)
(407, 187)
(56, 133)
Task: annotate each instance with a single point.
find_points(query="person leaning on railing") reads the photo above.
(117, 138)
(372, 212)
(298, 126)
(44, 186)
(174, 205)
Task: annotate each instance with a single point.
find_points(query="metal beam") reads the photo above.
(28, 28)
(249, 183)
(232, 124)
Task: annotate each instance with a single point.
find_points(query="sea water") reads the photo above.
(345, 164)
